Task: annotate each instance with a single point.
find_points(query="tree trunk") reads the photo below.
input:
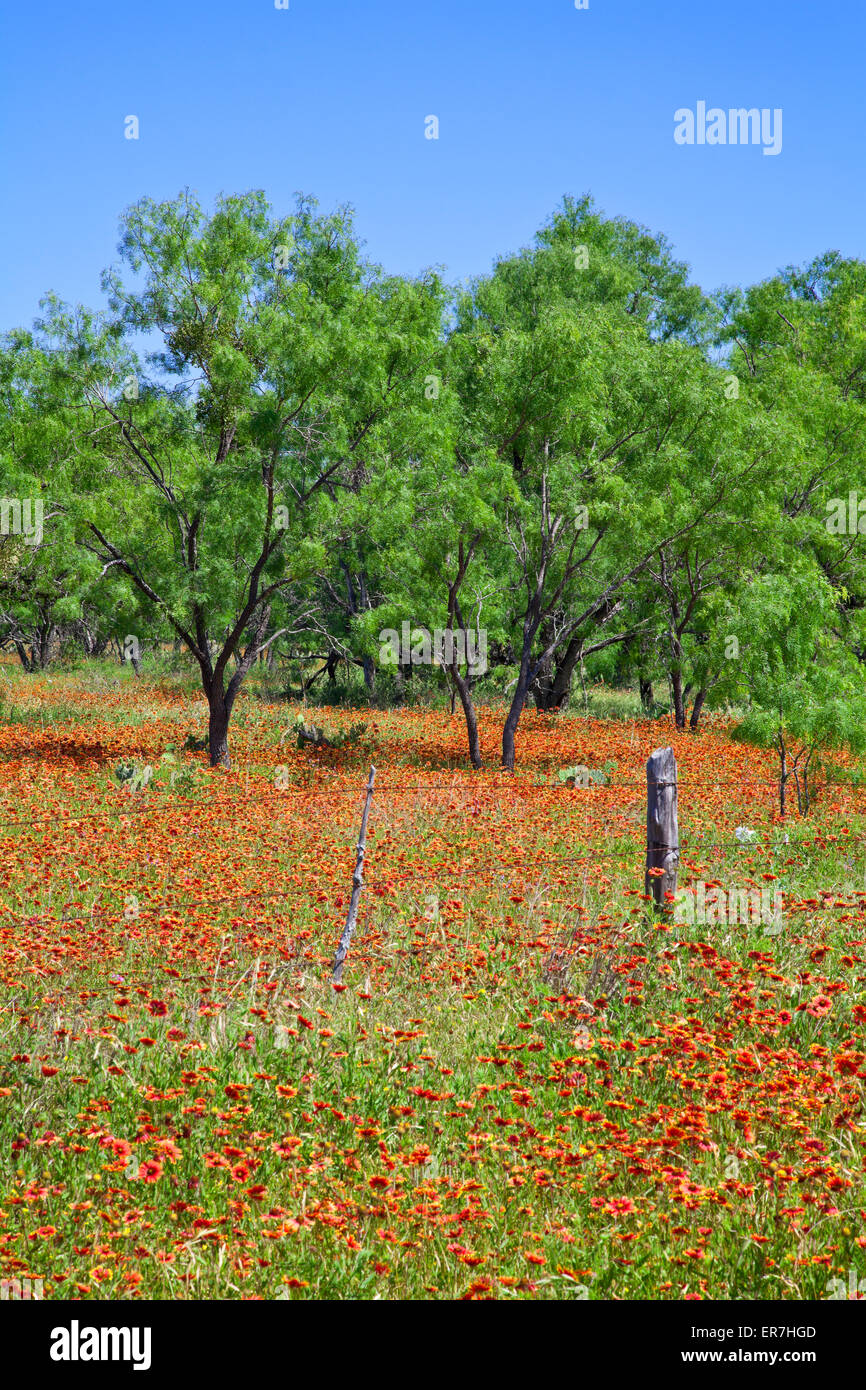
(697, 707)
(552, 686)
(26, 660)
(542, 686)
(647, 698)
(513, 718)
(542, 689)
(220, 698)
(677, 692)
(42, 648)
(560, 687)
(464, 690)
(218, 731)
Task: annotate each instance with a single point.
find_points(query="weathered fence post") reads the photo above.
(662, 831)
(357, 884)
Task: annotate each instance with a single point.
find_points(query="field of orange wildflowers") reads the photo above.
(526, 1085)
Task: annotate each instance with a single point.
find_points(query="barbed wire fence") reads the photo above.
(385, 878)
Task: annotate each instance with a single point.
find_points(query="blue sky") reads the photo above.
(330, 97)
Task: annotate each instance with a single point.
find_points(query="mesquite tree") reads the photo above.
(213, 485)
(802, 689)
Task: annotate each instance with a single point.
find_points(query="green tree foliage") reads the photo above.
(214, 486)
(266, 443)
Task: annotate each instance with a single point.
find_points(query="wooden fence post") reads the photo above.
(662, 830)
(357, 885)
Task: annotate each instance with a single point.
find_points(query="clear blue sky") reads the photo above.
(534, 98)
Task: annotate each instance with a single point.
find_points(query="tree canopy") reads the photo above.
(263, 442)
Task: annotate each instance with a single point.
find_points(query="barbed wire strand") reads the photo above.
(73, 820)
